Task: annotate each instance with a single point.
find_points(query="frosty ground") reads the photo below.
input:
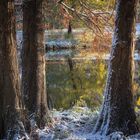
(76, 124)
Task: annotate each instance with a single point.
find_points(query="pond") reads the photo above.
(79, 81)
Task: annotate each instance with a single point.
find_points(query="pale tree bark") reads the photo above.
(33, 61)
(10, 95)
(117, 112)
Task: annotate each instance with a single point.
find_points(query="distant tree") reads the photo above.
(10, 95)
(69, 28)
(33, 61)
(117, 112)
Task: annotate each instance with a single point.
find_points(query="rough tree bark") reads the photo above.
(10, 95)
(117, 112)
(33, 61)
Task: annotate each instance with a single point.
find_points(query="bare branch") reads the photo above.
(93, 19)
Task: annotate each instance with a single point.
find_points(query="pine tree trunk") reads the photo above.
(33, 61)
(117, 112)
(10, 97)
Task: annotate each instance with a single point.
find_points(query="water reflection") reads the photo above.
(71, 81)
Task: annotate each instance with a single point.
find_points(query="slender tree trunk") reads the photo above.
(117, 112)
(69, 28)
(10, 97)
(33, 61)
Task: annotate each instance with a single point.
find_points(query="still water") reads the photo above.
(73, 81)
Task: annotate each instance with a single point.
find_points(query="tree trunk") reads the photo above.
(10, 96)
(117, 112)
(69, 28)
(33, 61)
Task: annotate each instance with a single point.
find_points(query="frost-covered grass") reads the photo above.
(76, 124)
(73, 124)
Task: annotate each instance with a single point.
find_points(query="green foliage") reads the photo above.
(102, 4)
(94, 4)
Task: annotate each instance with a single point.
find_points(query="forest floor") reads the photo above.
(76, 124)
